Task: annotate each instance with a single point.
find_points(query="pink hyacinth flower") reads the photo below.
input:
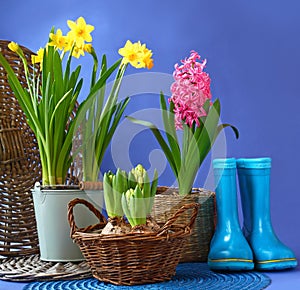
(190, 91)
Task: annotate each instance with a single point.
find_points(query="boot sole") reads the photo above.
(279, 264)
(230, 264)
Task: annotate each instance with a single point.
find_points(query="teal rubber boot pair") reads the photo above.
(256, 245)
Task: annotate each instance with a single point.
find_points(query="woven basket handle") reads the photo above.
(171, 220)
(71, 218)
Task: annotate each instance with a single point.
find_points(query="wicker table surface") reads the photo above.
(31, 268)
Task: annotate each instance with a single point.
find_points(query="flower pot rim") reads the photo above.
(59, 187)
(55, 187)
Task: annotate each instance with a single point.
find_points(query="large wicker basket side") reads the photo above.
(19, 167)
(168, 201)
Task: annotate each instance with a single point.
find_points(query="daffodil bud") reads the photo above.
(88, 47)
(13, 46)
(38, 58)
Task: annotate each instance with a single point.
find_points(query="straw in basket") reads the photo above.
(132, 258)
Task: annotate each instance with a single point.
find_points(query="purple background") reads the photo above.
(253, 54)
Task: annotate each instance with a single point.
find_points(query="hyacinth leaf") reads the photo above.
(154, 183)
(153, 191)
(223, 126)
(125, 206)
(112, 195)
(166, 149)
(205, 140)
(121, 181)
(196, 149)
(146, 186)
(133, 205)
(125, 200)
(188, 138)
(170, 130)
(131, 180)
(212, 130)
(139, 212)
(190, 166)
(118, 189)
(128, 206)
(206, 105)
(172, 121)
(146, 190)
(108, 193)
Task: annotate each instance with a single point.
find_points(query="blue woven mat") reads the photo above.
(188, 276)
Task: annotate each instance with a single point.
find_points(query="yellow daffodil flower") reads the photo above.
(130, 53)
(38, 58)
(148, 61)
(80, 31)
(88, 47)
(136, 54)
(69, 42)
(58, 39)
(13, 46)
(78, 51)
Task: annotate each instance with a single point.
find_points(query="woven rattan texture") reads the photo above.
(31, 268)
(133, 258)
(168, 201)
(19, 167)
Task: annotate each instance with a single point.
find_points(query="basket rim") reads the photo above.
(175, 232)
(161, 190)
(168, 230)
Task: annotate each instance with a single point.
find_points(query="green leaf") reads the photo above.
(116, 120)
(223, 126)
(206, 105)
(131, 180)
(169, 125)
(199, 144)
(154, 183)
(126, 209)
(101, 82)
(166, 149)
(108, 194)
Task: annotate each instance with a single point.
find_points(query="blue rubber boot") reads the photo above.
(254, 181)
(229, 249)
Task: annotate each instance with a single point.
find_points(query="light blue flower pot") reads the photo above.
(51, 208)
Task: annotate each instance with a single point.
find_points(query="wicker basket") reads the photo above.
(167, 201)
(19, 167)
(132, 259)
